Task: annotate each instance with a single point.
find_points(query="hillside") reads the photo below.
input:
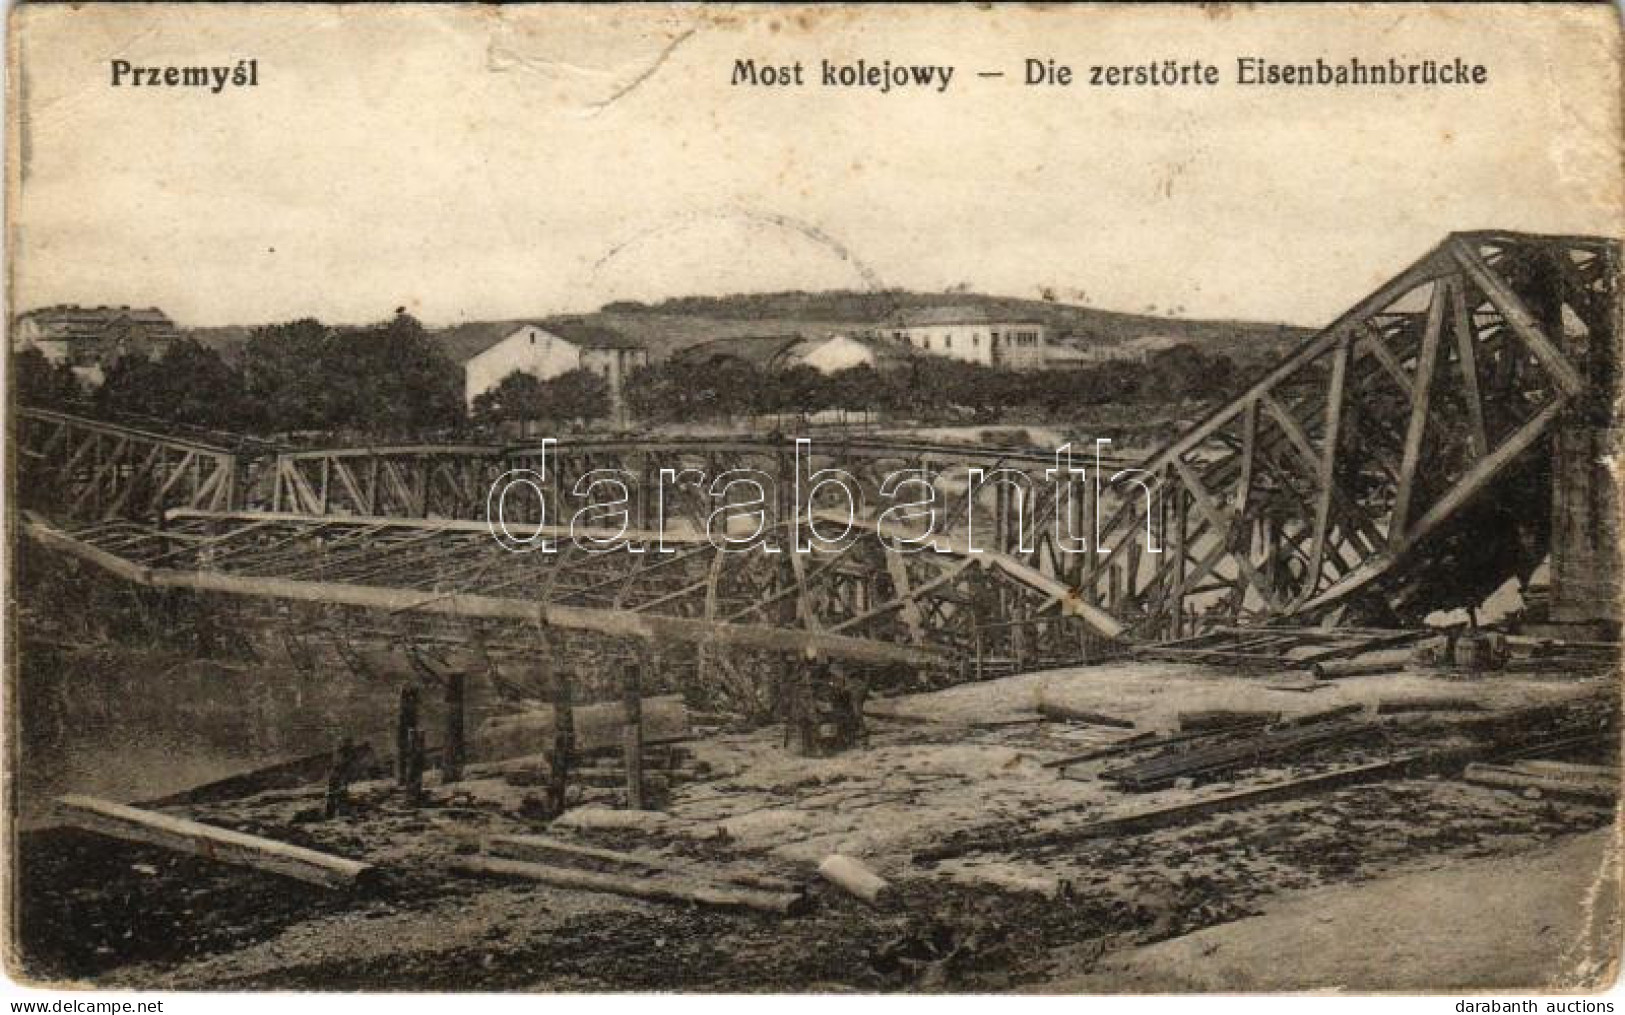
(675, 324)
(774, 313)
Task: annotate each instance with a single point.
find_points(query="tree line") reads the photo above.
(925, 388)
(386, 380)
(393, 380)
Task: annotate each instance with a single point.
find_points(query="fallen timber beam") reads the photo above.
(182, 835)
(1403, 765)
(1210, 762)
(1364, 646)
(1135, 742)
(667, 888)
(616, 623)
(1218, 656)
(1165, 815)
(542, 847)
(1383, 661)
(1226, 719)
(1056, 712)
(53, 538)
(1398, 706)
(1601, 789)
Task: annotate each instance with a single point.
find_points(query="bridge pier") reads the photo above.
(1585, 555)
(1585, 527)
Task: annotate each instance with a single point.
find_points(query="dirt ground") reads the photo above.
(940, 767)
(1546, 919)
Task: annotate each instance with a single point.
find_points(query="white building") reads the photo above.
(971, 334)
(547, 350)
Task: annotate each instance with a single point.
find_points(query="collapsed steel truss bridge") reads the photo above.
(1350, 476)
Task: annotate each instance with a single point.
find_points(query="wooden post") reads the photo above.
(338, 778)
(406, 722)
(632, 689)
(563, 739)
(414, 766)
(451, 760)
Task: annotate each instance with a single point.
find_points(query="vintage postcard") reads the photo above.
(1037, 499)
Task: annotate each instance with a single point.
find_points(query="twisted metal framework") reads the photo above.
(857, 602)
(88, 469)
(1354, 472)
(1350, 469)
(1019, 506)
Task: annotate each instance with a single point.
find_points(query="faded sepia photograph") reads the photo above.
(1042, 499)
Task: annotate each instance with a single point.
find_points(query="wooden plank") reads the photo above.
(1397, 706)
(1217, 656)
(1062, 713)
(1570, 770)
(664, 888)
(1166, 815)
(543, 847)
(1602, 791)
(1225, 719)
(1138, 741)
(1380, 661)
(286, 774)
(1363, 645)
(154, 829)
(42, 532)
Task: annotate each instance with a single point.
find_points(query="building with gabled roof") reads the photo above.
(91, 338)
(549, 348)
(969, 333)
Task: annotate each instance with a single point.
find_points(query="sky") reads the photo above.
(477, 163)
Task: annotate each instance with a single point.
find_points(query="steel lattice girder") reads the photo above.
(1330, 475)
(91, 470)
(455, 481)
(1337, 474)
(860, 603)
